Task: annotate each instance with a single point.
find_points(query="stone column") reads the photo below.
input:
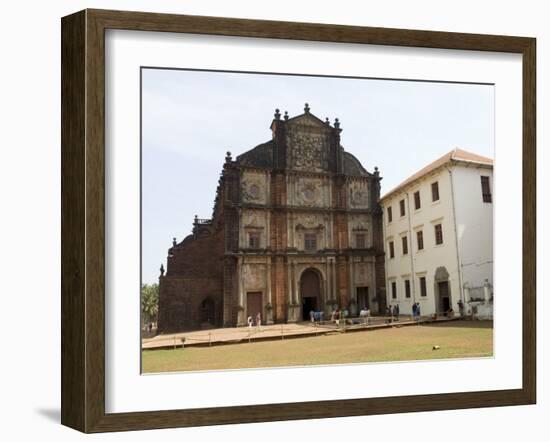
(268, 229)
(291, 315)
(295, 281)
(269, 315)
(240, 314)
(289, 277)
(373, 292)
(353, 295)
(242, 239)
(334, 294)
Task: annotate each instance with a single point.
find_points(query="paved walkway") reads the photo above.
(235, 335)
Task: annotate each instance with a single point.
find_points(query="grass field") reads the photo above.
(457, 339)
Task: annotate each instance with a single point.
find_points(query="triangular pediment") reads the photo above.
(308, 120)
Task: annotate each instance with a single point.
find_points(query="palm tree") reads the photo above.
(149, 302)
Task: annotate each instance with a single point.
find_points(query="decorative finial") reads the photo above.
(277, 114)
(286, 115)
(306, 108)
(196, 220)
(228, 157)
(337, 123)
(174, 242)
(162, 270)
(327, 122)
(376, 168)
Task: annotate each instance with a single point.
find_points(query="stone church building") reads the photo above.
(296, 227)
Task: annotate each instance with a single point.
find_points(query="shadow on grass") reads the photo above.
(485, 324)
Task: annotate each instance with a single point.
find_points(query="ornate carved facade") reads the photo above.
(296, 227)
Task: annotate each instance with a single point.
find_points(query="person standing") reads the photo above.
(396, 311)
(414, 311)
(249, 320)
(461, 307)
(259, 321)
(418, 311)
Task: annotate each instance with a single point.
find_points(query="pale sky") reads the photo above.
(191, 118)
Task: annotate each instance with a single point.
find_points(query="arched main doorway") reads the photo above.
(442, 290)
(310, 292)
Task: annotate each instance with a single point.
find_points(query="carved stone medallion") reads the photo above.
(308, 151)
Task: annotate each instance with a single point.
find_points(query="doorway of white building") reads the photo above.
(444, 298)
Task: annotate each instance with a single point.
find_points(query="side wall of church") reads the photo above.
(191, 292)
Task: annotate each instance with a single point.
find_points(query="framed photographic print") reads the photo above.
(271, 220)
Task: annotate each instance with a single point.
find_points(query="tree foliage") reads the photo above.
(150, 302)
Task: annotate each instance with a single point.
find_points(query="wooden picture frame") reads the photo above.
(83, 220)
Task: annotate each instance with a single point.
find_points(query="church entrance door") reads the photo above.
(363, 297)
(254, 304)
(310, 291)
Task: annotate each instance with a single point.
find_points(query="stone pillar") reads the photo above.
(374, 284)
(334, 293)
(240, 314)
(352, 294)
(268, 230)
(269, 315)
(291, 314)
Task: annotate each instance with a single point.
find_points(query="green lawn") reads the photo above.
(456, 339)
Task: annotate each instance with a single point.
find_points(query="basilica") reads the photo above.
(296, 227)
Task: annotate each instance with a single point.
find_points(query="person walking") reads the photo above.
(337, 317)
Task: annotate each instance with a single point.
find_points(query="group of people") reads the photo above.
(316, 316)
(365, 315)
(416, 311)
(392, 312)
(336, 314)
(250, 321)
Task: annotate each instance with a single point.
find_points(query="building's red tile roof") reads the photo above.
(454, 155)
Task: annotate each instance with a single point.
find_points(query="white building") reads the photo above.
(438, 232)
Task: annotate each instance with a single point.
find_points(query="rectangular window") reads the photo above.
(407, 288)
(402, 207)
(435, 191)
(254, 240)
(310, 242)
(390, 215)
(486, 190)
(392, 250)
(394, 290)
(405, 245)
(417, 200)
(423, 291)
(438, 234)
(420, 239)
(360, 241)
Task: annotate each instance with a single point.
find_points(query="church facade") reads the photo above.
(296, 227)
